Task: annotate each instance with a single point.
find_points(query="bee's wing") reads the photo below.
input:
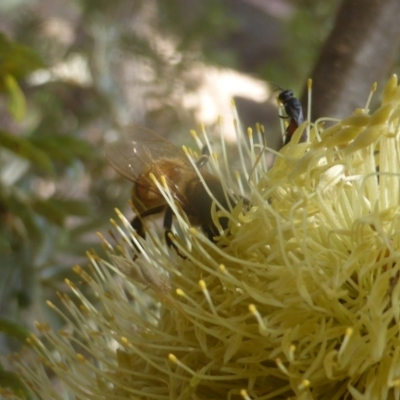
(139, 151)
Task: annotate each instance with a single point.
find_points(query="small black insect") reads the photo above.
(294, 112)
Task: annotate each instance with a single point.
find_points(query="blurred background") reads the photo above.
(72, 73)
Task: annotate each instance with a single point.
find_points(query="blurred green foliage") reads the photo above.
(41, 159)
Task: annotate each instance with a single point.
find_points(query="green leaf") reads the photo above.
(25, 149)
(16, 103)
(12, 381)
(50, 210)
(64, 148)
(20, 209)
(15, 330)
(16, 60)
(73, 207)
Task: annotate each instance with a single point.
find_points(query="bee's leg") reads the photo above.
(137, 222)
(210, 232)
(137, 225)
(167, 227)
(168, 232)
(205, 155)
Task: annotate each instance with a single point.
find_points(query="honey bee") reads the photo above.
(145, 152)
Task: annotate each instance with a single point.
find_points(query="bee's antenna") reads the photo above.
(277, 86)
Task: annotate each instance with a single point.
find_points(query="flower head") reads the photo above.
(298, 298)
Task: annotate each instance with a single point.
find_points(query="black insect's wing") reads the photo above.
(294, 110)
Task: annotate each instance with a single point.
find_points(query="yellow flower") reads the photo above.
(298, 299)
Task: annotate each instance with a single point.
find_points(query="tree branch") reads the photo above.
(360, 50)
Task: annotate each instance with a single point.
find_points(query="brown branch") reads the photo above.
(360, 50)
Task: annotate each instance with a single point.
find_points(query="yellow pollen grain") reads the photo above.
(193, 134)
(70, 284)
(202, 285)
(43, 328)
(280, 365)
(250, 133)
(185, 150)
(347, 335)
(77, 269)
(172, 358)
(304, 384)
(125, 340)
(292, 349)
(50, 304)
(163, 180)
(254, 311)
(119, 213)
(112, 221)
(84, 310)
(152, 177)
(193, 231)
